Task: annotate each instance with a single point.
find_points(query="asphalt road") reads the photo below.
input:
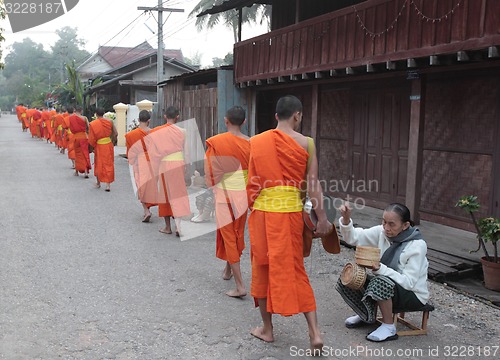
(82, 278)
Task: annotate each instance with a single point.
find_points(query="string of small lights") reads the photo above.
(434, 19)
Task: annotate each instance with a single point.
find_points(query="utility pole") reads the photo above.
(159, 55)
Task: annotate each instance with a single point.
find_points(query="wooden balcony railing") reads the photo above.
(372, 32)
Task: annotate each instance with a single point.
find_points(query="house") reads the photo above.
(128, 75)
(204, 95)
(401, 96)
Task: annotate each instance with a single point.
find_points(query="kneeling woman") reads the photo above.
(399, 280)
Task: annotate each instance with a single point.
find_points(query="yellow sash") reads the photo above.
(283, 199)
(176, 156)
(59, 128)
(236, 180)
(69, 131)
(104, 141)
(23, 115)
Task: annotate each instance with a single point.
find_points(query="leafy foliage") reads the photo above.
(488, 228)
(31, 72)
(258, 13)
(2, 16)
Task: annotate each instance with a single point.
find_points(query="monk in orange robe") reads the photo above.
(226, 169)
(52, 127)
(21, 116)
(102, 136)
(37, 121)
(45, 133)
(68, 136)
(78, 126)
(167, 147)
(138, 157)
(58, 137)
(277, 170)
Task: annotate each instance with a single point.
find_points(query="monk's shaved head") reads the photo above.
(287, 106)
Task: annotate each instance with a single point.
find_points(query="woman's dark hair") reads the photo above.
(402, 211)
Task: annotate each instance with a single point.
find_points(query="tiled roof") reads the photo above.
(117, 56)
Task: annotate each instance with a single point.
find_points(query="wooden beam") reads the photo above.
(433, 60)
(462, 56)
(415, 148)
(493, 52)
(411, 63)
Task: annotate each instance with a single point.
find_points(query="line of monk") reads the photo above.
(266, 174)
(72, 131)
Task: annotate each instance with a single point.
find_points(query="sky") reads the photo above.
(119, 23)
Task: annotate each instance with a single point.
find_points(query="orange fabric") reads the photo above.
(58, 121)
(53, 127)
(172, 197)
(78, 126)
(138, 158)
(68, 138)
(227, 153)
(104, 154)
(46, 117)
(278, 272)
(20, 110)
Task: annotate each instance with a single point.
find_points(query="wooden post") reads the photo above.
(415, 148)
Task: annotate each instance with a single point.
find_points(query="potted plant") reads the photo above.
(488, 230)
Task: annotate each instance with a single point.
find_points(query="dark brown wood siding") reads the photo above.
(374, 31)
(460, 138)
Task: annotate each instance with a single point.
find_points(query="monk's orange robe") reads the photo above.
(46, 124)
(52, 123)
(78, 127)
(138, 158)
(228, 155)
(100, 131)
(30, 125)
(58, 121)
(68, 139)
(21, 115)
(37, 123)
(165, 146)
(276, 246)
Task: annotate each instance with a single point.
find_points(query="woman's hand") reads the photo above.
(376, 266)
(345, 211)
(323, 228)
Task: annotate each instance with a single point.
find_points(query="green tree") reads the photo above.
(228, 60)
(257, 13)
(2, 17)
(68, 49)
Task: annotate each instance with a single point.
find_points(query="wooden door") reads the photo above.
(379, 143)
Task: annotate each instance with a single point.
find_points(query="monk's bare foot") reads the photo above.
(146, 218)
(97, 186)
(259, 333)
(316, 345)
(237, 293)
(166, 231)
(76, 173)
(227, 275)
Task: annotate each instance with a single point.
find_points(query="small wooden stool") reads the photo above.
(399, 317)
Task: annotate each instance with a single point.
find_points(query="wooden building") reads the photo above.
(205, 96)
(402, 96)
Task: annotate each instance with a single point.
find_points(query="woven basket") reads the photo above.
(367, 255)
(353, 276)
